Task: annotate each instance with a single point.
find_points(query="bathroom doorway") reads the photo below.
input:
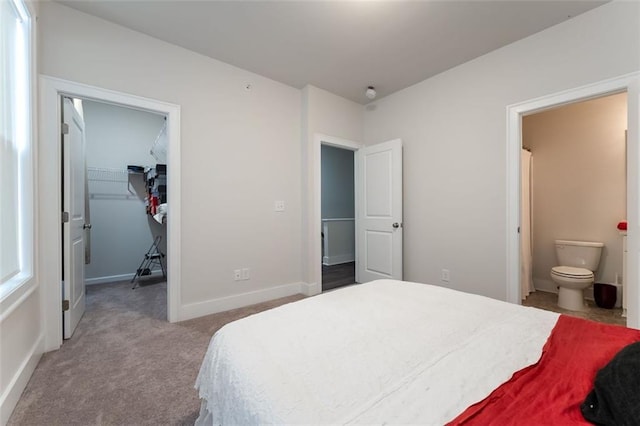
(574, 187)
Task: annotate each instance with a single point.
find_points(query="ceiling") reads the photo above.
(339, 46)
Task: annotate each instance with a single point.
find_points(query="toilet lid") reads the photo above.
(571, 272)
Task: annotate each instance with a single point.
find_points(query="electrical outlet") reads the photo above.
(237, 274)
(279, 206)
(445, 275)
(245, 273)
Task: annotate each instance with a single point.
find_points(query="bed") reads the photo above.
(399, 352)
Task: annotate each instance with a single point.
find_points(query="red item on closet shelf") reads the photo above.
(622, 226)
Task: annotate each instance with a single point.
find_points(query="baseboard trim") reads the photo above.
(114, 278)
(338, 259)
(18, 383)
(200, 309)
(310, 289)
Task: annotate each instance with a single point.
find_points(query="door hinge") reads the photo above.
(65, 129)
(65, 217)
(65, 305)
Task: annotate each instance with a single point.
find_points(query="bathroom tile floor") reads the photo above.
(549, 302)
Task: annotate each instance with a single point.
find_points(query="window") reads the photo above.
(16, 159)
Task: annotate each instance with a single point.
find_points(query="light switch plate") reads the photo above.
(279, 206)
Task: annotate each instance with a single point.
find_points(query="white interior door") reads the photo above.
(379, 211)
(73, 205)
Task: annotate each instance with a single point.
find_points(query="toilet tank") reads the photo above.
(579, 254)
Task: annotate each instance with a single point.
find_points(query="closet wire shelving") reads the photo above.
(121, 188)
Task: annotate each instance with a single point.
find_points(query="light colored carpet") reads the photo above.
(125, 365)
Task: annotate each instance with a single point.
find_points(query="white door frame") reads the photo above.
(316, 240)
(49, 255)
(628, 83)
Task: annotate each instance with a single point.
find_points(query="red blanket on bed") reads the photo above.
(550, 392)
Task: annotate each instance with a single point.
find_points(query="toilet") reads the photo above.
(578, 260)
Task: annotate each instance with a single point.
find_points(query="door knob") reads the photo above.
(396, 225)
(86, 226)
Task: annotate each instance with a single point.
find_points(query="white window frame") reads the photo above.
(21, 284)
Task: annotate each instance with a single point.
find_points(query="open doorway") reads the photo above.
(126, 199)
(574, 196)
(625, 83)
(378, 209)
(52, 90)
(338, 217)
(114, 184)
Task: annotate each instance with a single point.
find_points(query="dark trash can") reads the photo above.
(605, 295)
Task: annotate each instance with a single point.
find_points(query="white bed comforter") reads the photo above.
(382, 352)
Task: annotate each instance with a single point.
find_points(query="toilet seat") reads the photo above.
(572, 273)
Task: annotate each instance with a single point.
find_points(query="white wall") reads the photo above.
(327, 114)
(453, 127)
(240, 151)
(121, 229)
(579, 181)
